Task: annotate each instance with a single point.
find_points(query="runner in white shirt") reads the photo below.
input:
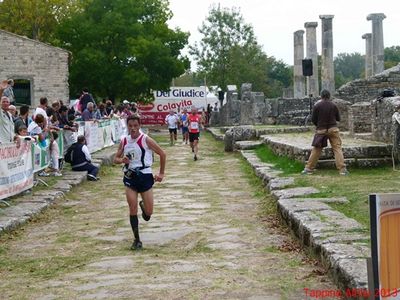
(172, 121)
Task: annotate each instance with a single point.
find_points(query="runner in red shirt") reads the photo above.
(195, 121)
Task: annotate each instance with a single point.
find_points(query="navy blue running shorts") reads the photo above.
(139, 182)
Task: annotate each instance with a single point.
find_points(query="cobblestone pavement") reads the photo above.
(207, 239)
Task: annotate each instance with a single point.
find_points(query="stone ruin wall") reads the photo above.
(360, 117)
(252, 108)
(362, 90)
(382, 112)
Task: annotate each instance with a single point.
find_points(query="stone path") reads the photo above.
(207, 239)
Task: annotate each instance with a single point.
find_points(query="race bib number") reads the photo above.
(194, 125)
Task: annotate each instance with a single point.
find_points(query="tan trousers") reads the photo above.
(336, 144)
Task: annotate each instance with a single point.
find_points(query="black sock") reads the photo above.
(135, 226)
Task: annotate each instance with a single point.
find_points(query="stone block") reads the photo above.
(279, 183)
(333, 252)
(245, 145)
(351, 273)
(324, 200)
(294, 192)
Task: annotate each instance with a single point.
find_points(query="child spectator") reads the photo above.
(54, 155)
(22, 132)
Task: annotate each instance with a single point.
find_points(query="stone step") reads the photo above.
(216, 133)
(340, 242)
(247, 145)
(293, 129)
(299, 149)
(357, 162)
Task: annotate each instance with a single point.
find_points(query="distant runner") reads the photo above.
(172, 121)
(184, 124)
(195, 121)
(136, 152)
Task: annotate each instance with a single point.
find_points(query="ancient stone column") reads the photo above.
(311, 53)
(368, 54)
(377, 42)
(298, 83)
(327, 71)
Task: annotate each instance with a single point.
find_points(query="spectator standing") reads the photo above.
(126, 112)
(23, 132)
(41, 109)
(85, 98)
(7, 134)
(53, 120)
(325, 116)
(23, 119)
(54, 155)
(13, 111)
(109, 108)
(9, 91)
(56, 107)
(64, 121)
(216, 106)
(37, 128)
(88, 113)
(102, 112)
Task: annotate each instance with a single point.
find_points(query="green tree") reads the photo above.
(392, 56)
(250, 64)
(36, 19)
(223, 30)
(228, 53)
(188, 79)
(123, 48)
(348, 67)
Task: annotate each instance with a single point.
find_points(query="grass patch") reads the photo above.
(271, 249)
(46, 267)
(319, 215)
(267, 204)
(283, 163)
(356, 188)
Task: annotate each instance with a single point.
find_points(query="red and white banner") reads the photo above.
(176, 99)
(16, 168)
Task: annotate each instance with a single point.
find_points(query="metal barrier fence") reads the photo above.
(18, 165)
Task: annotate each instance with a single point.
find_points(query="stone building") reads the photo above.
(38, 69)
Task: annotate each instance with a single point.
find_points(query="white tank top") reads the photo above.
(141, 155)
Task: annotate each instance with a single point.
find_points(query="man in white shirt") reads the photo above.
(172, 121)
(41, 110)
(6, 122)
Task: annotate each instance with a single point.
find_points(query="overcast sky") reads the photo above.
(274, 21)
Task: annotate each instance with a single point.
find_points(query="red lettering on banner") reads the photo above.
(11, 151)
(174, 105)
(145, 107)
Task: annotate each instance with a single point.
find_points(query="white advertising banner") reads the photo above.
(176, 99)
(16, 169)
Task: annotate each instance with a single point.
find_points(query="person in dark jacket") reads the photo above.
(81, 159)
(85, 98)
(325, 116)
